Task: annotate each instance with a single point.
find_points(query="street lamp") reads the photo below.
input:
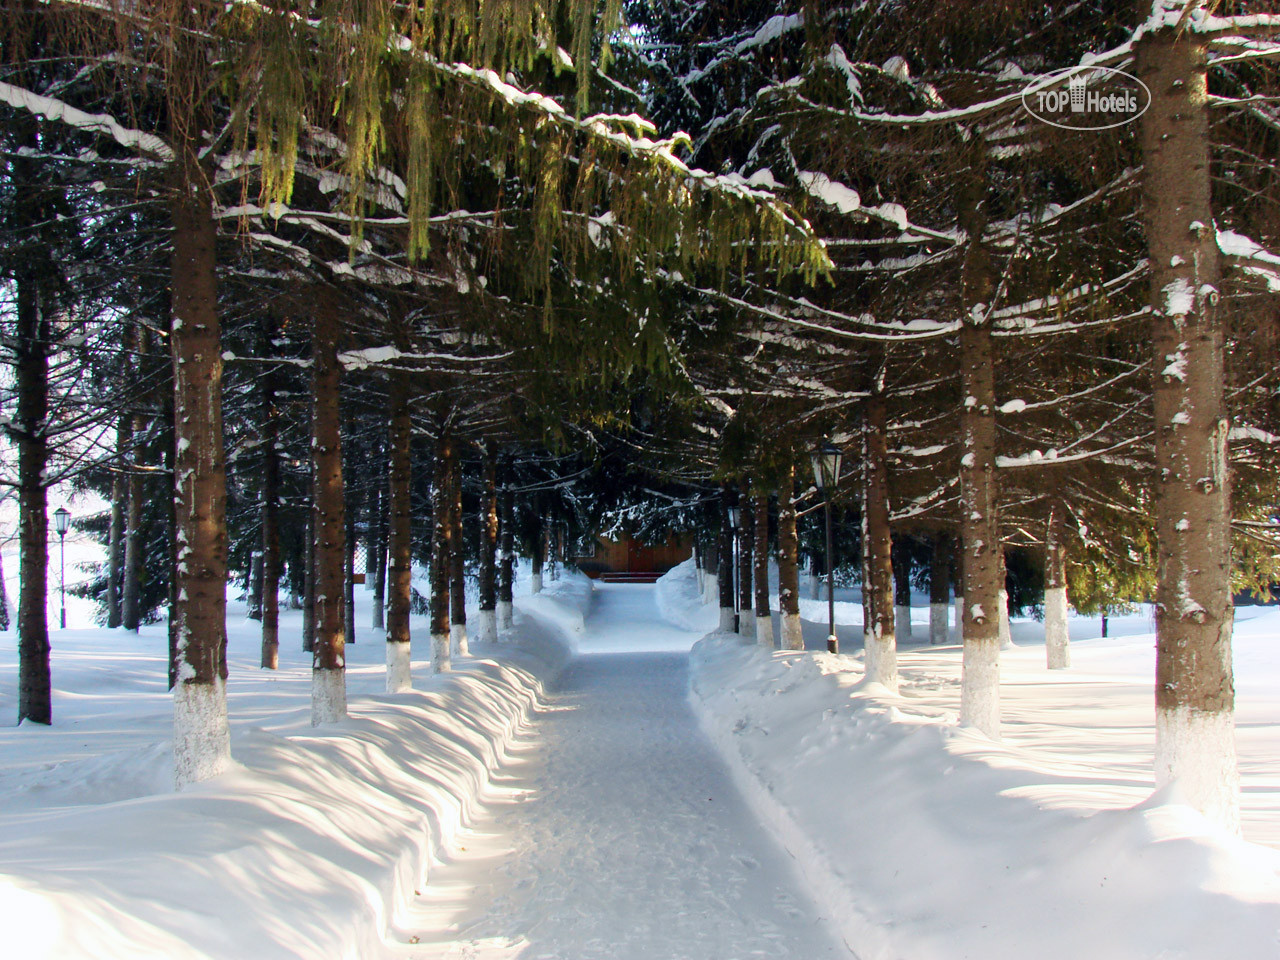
(735, 515)
(62, 523)
(826, 474)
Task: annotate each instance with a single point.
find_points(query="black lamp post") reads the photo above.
(826, 473)
(735, 514)
(62, 523)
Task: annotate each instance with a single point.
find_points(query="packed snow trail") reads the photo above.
(623, 836)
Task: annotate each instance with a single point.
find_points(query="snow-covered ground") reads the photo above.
(313, 846)
(927, 841)
(537, 804)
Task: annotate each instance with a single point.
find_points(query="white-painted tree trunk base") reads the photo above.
(882, 656)
(458, 645)
(957, 605)
(938, 614)
(201, 735)
(399, 671)
(764, 633)
(747, 624)
(980, 688)
(1006, 632)
(1197, 751)
(328, 695)
(711, 589)
(727, 624)
(487, 626)
(815, 587)
(1057, 647)
(535, 583)
(506, 615)
(441, 662)
(792, 632)
(902, 623)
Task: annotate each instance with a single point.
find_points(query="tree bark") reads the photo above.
(441, 559)
(378, 544)
(724, 566)
(939, 587)
(328, 663)
(400, 534)
(269, 606)
(1195, 687)
(309, 574)
(119, 504)
(746, 537)
(488, 632)
(457, 569)
(789, 563)
(980, 673)
(349, 576)
(902, 588)
(134, 533)
(4, 598)
(30, 433)
(1056, 641)
(760, 527)
(202, 746)
(879, 631)
(539, 555)
(506, 563)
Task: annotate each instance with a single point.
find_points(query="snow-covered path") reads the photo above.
(620, 834)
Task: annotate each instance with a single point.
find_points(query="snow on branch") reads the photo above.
(60, 111)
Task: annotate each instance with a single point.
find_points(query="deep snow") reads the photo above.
(932, 842)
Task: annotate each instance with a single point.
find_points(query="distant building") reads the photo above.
(630, 559)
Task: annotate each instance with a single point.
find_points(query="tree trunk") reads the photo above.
(488, 631)
(4, 598)
(1006, 632)
(1195, 688)
(902, 588)
(1056, 641)
(881, 657)
(724, 564)
(957, 587)
(760, 527)
(457, 569)
(328, 662)
(119, 504)
(399, 535)
(506, 562)
(309, 574)
(135, 537)
(939, 587)
(201, 742)
(980, 675)
(441, 559)
(349, 572)
(539, 554)
(30, 433)
(746, 536)
(788, 563)
(378, 543)
(270, 601)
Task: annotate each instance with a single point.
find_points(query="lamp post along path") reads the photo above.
(62, 523)
(826, 474)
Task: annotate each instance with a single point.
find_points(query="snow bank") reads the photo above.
(316, 842)
(921, 840)
(549, 624)
(681, 603)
